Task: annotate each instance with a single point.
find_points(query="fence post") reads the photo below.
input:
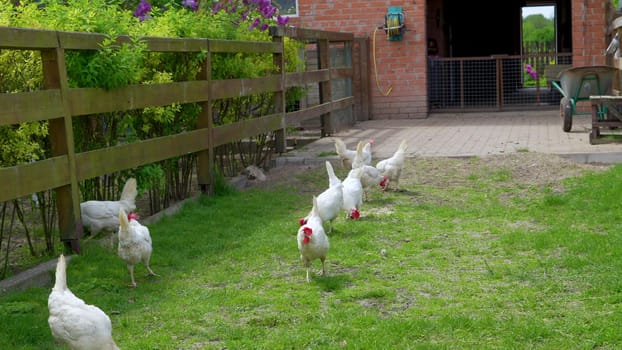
(360, 82)
(499, 79)
(205, 158)
(323, 56)
(62, 143)
(280, 135)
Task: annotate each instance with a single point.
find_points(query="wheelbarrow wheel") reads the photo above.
(565, 110)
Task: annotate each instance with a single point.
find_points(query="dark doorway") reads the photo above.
(476, 61)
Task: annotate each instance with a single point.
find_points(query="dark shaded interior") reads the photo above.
(476, 58)
(488, 27)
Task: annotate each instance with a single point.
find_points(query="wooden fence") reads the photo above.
(59, 104)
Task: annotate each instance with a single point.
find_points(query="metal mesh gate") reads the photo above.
(494, 83)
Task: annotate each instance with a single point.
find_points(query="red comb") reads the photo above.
(302, 221)
(134, 216)
(383, 182)
(307, 231)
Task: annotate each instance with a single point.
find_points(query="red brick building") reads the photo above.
(450, 30)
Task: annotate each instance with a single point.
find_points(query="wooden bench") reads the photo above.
(606, 113)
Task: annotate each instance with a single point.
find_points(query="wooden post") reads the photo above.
(62, 143)
(361, 80)
(323, 56)
(280, 135)
(205, 158)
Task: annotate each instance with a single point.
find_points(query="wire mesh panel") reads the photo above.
(497, 82)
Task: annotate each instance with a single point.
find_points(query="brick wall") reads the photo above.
(400, 64)
(589, 28)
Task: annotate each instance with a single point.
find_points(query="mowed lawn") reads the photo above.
(468, 254)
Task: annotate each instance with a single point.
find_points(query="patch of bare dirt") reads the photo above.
(521, 169)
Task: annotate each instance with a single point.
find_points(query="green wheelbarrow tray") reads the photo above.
(577, 84)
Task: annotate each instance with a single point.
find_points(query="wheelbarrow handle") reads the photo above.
(556, 85)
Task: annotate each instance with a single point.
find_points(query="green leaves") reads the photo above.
(113, 66)
(21, 144)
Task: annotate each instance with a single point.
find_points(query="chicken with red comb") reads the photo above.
(353, 194)
(312, 241)
(392, 167)
(134, 243)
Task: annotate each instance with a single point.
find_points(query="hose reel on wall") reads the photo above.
(394, 27)
(394, 23)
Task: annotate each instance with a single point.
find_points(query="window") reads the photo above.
(286, 7)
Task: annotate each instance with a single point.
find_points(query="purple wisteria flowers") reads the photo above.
(142, 10)
(190, 4)
(282, 20)
(246, 8)
(529, 69)
(264, 11)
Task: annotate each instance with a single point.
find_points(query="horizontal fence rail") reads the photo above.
(59, 104)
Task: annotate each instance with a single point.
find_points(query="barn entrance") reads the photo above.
(478, 61)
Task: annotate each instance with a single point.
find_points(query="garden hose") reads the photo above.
(375, 66)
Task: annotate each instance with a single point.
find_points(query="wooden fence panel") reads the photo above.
(21, 107)
(131, 155)
(59, 104)
(23, 180)
(136, 97)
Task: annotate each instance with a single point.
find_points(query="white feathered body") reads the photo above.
(392, 167)
(346, 156)
(100, 216)
(75, 323)
(330, 201)
(352, 193)
(312, 240)
(370, 175)
(134, 243)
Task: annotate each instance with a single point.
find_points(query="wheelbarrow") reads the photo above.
(578, 84)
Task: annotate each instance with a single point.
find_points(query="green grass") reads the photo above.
(483, 263)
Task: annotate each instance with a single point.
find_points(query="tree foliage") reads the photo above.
(537, 28)
(114, 66)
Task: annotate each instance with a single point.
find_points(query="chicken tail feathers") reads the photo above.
(332, 178)
(315, 207)
(123, 221)
(61, 274)
(129, 191)
(358, 158)
(340, 147)
(403, 147)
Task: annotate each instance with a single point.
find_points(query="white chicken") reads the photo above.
(346, 156)
(370, 176)
(100, 216)
(353, 194)
(329, 202)
(392, 167)
(312, 241)
(73, 322)
(134, 243)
